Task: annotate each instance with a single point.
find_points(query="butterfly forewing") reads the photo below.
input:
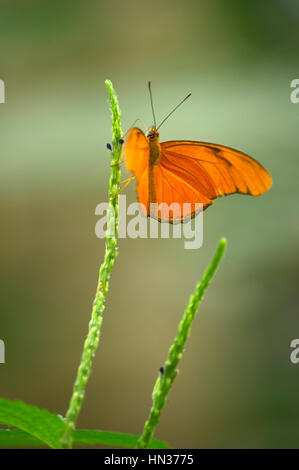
(136, 152)
(227, 170)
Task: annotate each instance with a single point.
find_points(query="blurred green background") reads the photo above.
(236, 386)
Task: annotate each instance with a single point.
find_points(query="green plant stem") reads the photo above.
(169, 372)
(92, 340)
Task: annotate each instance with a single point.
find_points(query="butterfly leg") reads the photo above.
(125, 183)
(121, 160)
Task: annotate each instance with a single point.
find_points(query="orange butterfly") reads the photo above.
(181, 171)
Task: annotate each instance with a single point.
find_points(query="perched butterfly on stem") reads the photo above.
(182, 173)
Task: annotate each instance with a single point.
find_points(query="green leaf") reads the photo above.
(41, 424)
(114, 439)
(18, 438)
(42, 427)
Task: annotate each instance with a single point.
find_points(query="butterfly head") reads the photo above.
(152, 133)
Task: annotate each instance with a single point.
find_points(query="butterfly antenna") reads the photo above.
(174, 109)
(150, 92)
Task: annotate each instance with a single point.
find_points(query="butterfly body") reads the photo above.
(154, 159)
(154, 146)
